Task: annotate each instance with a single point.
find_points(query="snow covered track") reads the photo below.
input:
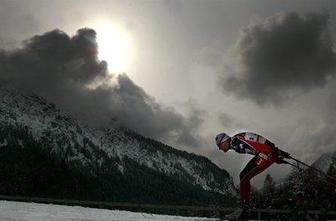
(27, 211)
(195, 211)
(22, 211)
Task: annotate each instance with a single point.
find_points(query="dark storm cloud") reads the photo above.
(285, 54)
(323, 139)
(229, 121)
(195, 119)
(66, 71)
(53, 58)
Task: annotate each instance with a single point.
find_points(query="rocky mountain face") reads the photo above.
(45, 152)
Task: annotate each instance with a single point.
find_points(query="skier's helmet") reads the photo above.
(220, 138)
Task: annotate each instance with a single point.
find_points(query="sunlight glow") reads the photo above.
(114, 46)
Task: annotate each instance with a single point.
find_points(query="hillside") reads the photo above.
(45, 152)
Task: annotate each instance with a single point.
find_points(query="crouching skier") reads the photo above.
(265, 155)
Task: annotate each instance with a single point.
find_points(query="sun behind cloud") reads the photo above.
(114, 46)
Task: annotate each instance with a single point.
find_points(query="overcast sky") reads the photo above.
(204, 67)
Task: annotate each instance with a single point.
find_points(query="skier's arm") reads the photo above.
(241, 147)
(275, 154)
(278, 155)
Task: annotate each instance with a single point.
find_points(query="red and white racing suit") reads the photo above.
(265, 155)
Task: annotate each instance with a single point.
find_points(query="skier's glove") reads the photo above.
(282, 154)
(281, 161)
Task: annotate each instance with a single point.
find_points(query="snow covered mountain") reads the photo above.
(325, 161)
(125, 165)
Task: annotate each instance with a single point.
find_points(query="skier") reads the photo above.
(266, 153)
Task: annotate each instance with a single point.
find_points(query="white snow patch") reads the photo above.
(20, 211)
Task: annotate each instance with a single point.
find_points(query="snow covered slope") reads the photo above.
(19, 211)
(324, 161)
(26, 119)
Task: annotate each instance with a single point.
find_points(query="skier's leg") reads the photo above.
(244, 192)
(255, 166)
(244, 186)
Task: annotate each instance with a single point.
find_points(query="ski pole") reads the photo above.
(314, 168)
(293, 165)
(330, 180)
(288, 156)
